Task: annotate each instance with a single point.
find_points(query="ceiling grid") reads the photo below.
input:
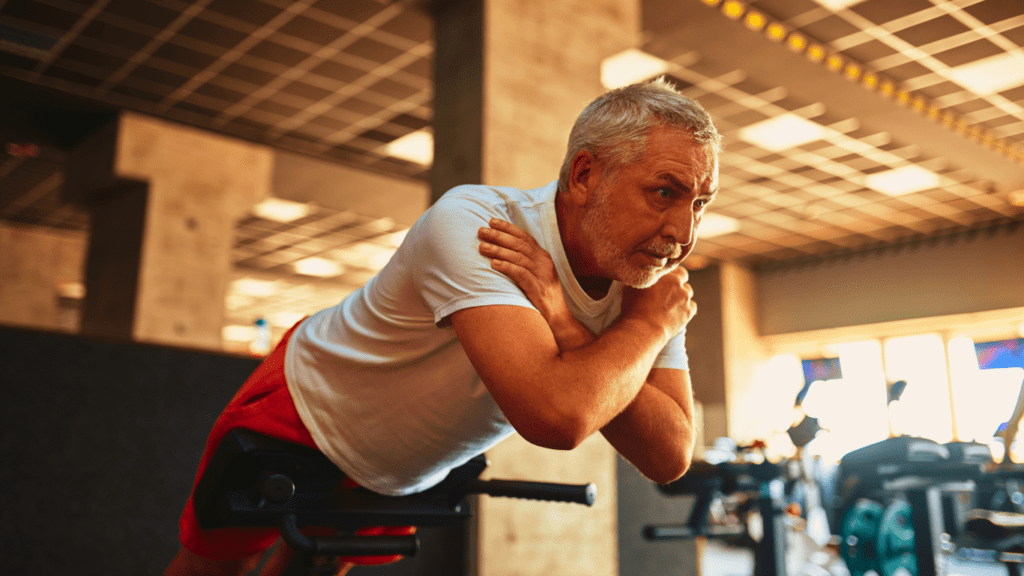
(341, 79)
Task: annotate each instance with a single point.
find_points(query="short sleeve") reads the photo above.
(449, 271)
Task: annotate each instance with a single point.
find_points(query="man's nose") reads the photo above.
(679, 225)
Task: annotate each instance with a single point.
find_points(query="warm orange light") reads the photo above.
(962, 126)
(934, 112)
(755, 21)
(712, 2)
(816, 53)
(834, 63)
(903, 97)
(796, 42)
(776, 32)
(887, 88)
(948, 119)
(919, 104)
(870, 81)
(852, 71)
(733, 9)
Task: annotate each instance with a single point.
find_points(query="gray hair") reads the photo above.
(615, 126)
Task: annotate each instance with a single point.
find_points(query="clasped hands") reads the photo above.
(513, 252)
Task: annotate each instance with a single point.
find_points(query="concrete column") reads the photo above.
(164, 200)
(727, 356)
(41, 270)
(510, 78)
(705, 347)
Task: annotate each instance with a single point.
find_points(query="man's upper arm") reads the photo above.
(507, 345)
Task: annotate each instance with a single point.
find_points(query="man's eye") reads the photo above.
(700, 203)
(665, 193)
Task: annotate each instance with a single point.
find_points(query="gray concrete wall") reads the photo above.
(970, 272)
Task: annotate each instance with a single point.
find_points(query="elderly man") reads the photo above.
(553, 313)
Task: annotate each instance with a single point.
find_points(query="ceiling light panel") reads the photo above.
(837, 5)
(782, 132)
(415, 147)
(320, 267)
(905, 180)
(713, 225)
(990, 75)
(279, 210)
(630, 66)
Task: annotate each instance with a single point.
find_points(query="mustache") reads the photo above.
(668, 250)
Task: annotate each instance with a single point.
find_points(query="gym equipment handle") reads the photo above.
(346, 545)
(578, 493)
(669, 532)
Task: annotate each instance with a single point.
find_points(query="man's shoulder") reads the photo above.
(495, 196)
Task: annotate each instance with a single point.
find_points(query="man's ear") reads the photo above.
(584, 177)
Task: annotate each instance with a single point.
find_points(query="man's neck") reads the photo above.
(576, 251)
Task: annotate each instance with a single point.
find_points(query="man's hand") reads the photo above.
(669, 303)
(516, 254)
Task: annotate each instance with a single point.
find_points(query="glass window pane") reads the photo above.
(851, 409)
(924, 408)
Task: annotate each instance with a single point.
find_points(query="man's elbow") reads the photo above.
(556, 433)
(670, 466)
(667, 474)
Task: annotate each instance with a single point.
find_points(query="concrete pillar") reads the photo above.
(164, 200)
(752, 403)
(41, 270)
(510, 78)
(705, 347)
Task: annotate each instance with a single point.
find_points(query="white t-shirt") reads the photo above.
(381, 380)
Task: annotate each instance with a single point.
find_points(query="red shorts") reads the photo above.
(264, 405)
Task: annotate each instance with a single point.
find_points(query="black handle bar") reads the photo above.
(578, 493)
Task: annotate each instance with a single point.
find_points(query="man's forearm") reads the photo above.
(569, 332)
(556, 398)
(655, 432)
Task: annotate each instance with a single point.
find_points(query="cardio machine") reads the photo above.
(256, 480)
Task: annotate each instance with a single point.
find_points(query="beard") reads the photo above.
(596, 225)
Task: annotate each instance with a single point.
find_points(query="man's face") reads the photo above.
(642, 220)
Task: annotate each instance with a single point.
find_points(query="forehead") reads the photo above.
(673, 149)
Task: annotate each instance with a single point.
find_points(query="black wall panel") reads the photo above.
(99, 444)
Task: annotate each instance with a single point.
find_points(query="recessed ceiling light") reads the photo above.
(365, 255)
(712, 225)
(286, 319)
(782, 132)
(990, 75)
(630, 66)
(837, 5)
(322, 267)
(253, 287)
(71, 290)
(280, 210)
(900, 181)
(415, 147)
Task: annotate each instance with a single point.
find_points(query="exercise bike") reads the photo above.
(256, 480)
